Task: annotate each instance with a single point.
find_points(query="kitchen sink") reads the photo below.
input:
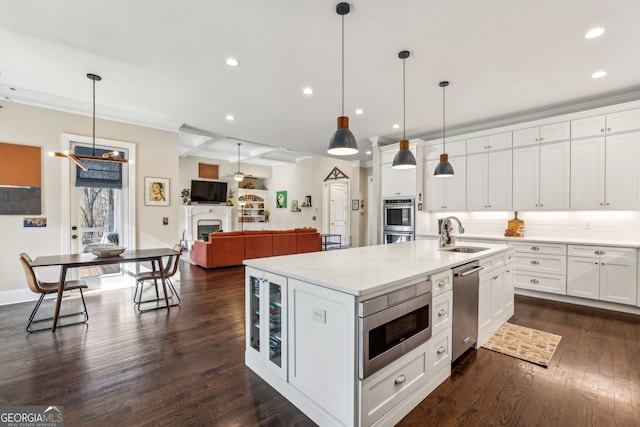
(464, 249)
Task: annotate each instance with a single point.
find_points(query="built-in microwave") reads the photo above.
(399, 215)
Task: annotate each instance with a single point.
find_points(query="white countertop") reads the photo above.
(557, 239)
(366, 270)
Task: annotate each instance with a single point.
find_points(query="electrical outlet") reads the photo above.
(319, 314)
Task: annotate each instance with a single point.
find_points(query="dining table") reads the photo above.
(68, 261)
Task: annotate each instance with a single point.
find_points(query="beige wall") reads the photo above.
(157, 156)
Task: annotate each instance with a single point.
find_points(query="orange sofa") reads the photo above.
(232, 247)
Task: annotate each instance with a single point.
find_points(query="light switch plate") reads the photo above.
(319, 314)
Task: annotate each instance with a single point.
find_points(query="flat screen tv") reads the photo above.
(208, 191)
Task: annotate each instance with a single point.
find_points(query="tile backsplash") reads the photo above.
(600, 225)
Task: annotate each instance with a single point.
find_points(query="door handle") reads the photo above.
(74, 236)
(466, 273)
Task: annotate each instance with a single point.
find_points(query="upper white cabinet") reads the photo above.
(542, 134)
(500, 141)
(605, 172)
(433, 149)
(396, 182)
(622, 121)
(489, 182)
(446, 194)
(541, 178)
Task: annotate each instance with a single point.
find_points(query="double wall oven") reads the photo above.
(398, 220)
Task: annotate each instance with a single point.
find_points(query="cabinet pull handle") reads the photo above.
(535, 248)
(535, 281)
(442, 312)
(535, 262)
(442, 284)
(400, 379)
(441, 350)
(601, 130)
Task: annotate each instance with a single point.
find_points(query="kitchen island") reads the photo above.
(302, 325)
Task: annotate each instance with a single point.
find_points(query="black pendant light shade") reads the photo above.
(342, 142)
(404, 158)
(444, 168)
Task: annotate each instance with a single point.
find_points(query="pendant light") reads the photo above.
(444, 168)
(238, 176)
(111, 156)
(342, 142)
(404, 158)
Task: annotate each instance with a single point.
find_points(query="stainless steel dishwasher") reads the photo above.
(466, 279)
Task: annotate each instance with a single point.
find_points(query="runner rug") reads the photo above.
(524, 343)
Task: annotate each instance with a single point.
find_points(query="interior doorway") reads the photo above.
(336, 195)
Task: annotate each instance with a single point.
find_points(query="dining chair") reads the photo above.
(170, 269)
(44, 288)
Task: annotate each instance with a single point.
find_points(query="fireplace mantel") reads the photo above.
(195, 213)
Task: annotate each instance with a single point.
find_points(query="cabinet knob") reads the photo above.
(601, 130)
(608, 129)
(400, 379)
(608, 203)
(601, 204)
(442, 284)
(535, 248)
(535, 281)
(441, 350)
(494, 277)
(535, 262)
(442, 313)
(541, 139)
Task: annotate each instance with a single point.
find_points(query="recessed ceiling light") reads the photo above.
(594, 32)
(396, 126)
(232, 62)
(368, 152)
(598, 74)
(307, 91)
(230, 117)
(359, 111)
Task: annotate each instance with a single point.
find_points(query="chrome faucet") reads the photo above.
(445, 227)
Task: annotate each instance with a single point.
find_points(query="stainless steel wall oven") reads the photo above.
(399, 215)
(391, 325)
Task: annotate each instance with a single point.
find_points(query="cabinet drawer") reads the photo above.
(539, 248)
(489, 264)
(441, 282)
(442, 314)
(386, 388)
(601, 251)
(555, 264)
(440, 351)
(552, 283)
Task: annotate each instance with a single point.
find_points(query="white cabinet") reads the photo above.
(397, 182)
(446, 194)
(623, 121)
(482, 144)
(540, 267)
(541, 178)
(433, 149)
(605, 172)
(489, 181)
(495, 294)
(604, 273)
(543, 134)
(266, 321)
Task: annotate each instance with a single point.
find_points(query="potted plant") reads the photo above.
(185, 195)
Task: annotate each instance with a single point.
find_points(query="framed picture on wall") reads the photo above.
(281, 199)
(156, 191)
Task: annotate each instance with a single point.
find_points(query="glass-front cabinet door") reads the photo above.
(266, 320)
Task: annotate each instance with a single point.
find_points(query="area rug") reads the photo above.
(524, 343)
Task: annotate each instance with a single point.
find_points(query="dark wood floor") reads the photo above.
(186, 367)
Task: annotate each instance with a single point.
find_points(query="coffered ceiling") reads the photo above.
(163, 65)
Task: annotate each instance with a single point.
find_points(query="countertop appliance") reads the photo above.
(466, 280)
(391, 325)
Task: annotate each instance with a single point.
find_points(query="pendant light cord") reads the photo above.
(238, 157)
(444, 150)
(94, 117)
(343, 65)
(404, 103)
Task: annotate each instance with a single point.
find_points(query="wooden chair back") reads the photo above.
(32, 281)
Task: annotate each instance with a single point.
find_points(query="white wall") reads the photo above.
(623, 226)
(307, 178)
(157, 155)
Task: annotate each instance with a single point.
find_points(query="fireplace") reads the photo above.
(204, 219)
(206, 226)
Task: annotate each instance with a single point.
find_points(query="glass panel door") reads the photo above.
(254, 310)
(275, 324)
